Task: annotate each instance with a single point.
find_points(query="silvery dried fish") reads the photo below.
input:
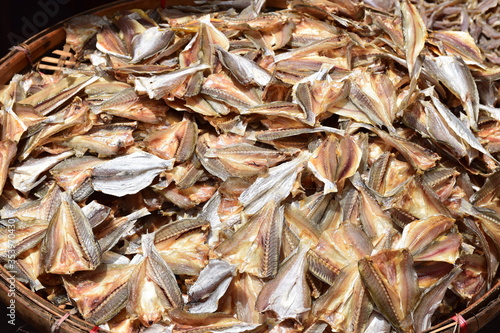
(276, 186)
(25, 177)
(149, 42)
(159, 86)
(244, 70)
(128, 174)
(210, 286)
(110, 233)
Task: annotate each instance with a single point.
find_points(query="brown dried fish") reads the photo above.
(152, 286)
(69, 245)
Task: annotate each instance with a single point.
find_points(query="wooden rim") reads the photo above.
(37, 311)
(42, 314)
(477, 315)
(19, 58)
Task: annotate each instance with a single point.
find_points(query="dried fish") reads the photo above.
(345, 304)
(105, 290)
(414, 32)
(128, 174)
(152, 286)
(225, 167)
(210, 286)
(49, 98)
(255, 246)
(69, 245)
(158, 86)
(287, 295)
(244, 70)
(109, 42)
(334, 161)
(177, 141)
(276, 186)
(376, 97)
(25, 177)
(106, 140)
(7, 152)
(391, 280)
(456, 76)
(73, 175)
(149, 42)
(110, 233)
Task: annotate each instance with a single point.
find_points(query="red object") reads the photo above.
(58, 323)
(163, 3)
(95, 329)
(461, 322)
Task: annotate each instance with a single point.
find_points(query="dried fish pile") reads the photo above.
(329, 167)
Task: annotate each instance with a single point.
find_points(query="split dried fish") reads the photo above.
(332, 166)
(128, 174)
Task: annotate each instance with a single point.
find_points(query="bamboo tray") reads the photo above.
(45, 316)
